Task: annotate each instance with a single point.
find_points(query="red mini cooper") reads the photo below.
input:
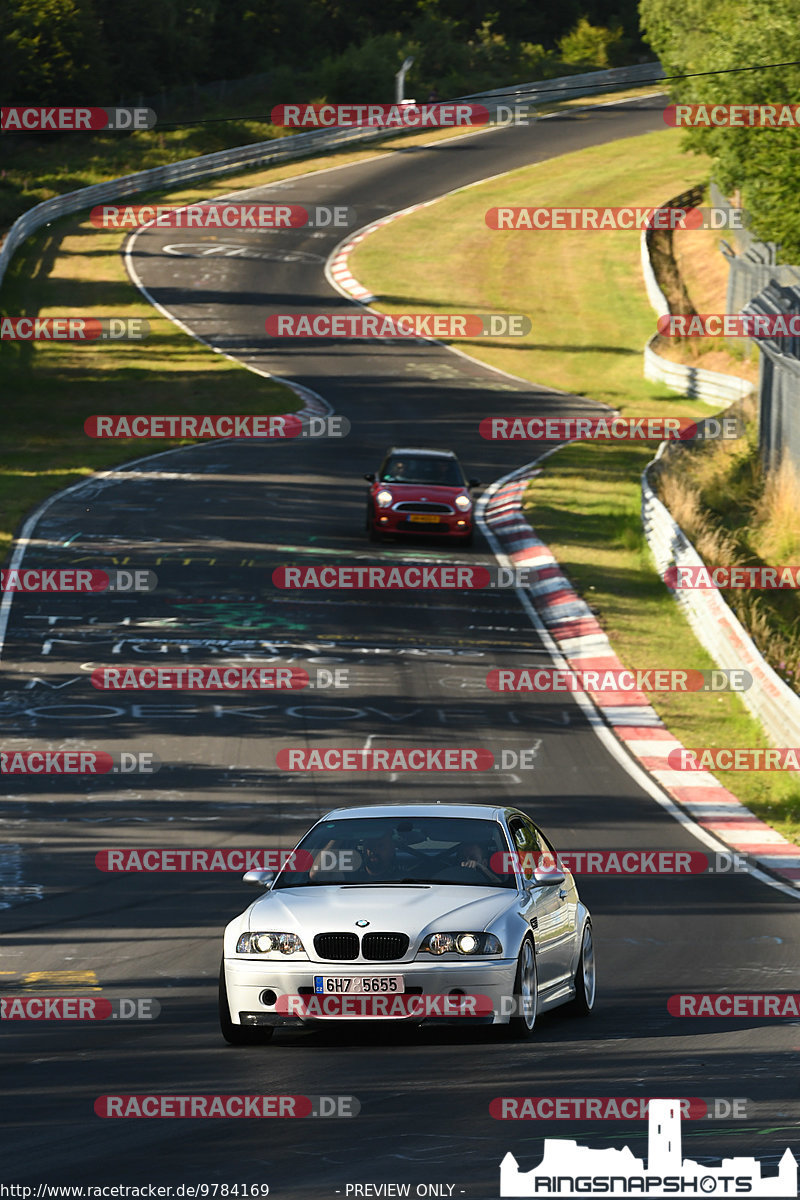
(420, 491)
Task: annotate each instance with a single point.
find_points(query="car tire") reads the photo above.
(585, 981)
(238, 1035)
(526, 990)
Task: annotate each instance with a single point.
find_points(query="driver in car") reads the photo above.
(377, 855)
(473, 856)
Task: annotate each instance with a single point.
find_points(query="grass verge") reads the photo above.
(51, 388)
(591, 317)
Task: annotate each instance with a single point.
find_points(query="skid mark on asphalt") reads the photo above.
(13, 889)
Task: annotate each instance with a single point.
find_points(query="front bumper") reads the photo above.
(246, 980)
(446, 524)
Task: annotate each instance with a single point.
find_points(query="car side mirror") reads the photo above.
(545, 878)
(370, 477)
(473, 483)
(262, 879)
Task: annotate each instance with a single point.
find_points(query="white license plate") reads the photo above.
(358, 985)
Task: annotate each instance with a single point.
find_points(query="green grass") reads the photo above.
(70, 267)
(591, 318)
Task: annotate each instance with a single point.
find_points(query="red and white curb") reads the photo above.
(581, 640)
(337, 271)
(583, 643)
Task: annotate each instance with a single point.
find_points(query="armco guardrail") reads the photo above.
(712, 387)
(779, 381)
(295, 146)
(724, 637)
(590, 81)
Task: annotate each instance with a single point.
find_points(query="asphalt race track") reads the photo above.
(212, 521)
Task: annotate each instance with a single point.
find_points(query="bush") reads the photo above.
(593, 46)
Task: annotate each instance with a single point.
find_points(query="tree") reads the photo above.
(721, 36)
(50, 53)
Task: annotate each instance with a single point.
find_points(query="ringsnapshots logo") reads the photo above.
(73, 329)
(609, 219)
(361, 326)
(284, 425)
(25, 118)
(618, 680)
(569, 1170)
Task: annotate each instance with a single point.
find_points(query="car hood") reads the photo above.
(404, 909)
(431, 491)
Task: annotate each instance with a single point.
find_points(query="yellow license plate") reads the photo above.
(424, 518)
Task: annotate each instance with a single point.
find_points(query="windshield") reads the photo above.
(373, 850)
(408, 468)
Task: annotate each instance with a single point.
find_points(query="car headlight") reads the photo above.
(461, 943)
(270, 943)
(464, 503)
(384, 499)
